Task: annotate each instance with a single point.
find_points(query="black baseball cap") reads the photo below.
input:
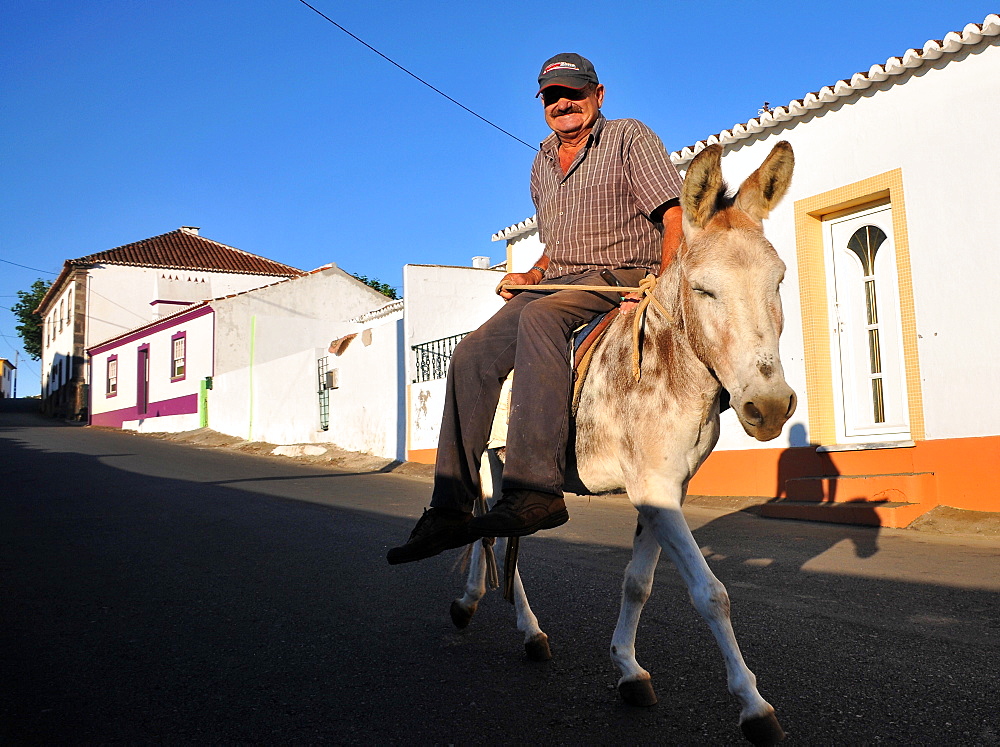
(567, 69)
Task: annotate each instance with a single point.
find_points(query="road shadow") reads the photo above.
(145, 608)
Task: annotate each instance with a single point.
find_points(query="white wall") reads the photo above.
(426, 404)
(936, 127)
(523, 252)
(6, 378)
(442, 301)
(367, 410)
(120, 298)
(268, 343)
(57, 339)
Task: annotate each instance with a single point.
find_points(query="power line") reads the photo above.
(26, 267)
(417, 77)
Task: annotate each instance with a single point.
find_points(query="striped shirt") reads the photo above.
(597, 214)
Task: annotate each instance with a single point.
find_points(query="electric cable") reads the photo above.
(417, 77)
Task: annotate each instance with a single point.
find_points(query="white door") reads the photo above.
(867, 331)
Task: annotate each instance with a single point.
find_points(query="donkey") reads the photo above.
(649, 436)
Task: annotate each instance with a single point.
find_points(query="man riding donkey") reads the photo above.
(606, 196)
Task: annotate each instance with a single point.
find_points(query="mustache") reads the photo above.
(568, 109)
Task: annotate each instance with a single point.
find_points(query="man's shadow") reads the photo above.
(801, 461)
(805, 477)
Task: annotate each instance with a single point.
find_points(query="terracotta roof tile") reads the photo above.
(184, 249)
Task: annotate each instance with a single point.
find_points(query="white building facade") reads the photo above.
(260, 365)
(889, 239)
(106, 294)
(7, 373)
(443, 304)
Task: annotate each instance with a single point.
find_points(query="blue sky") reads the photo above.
(277, 133)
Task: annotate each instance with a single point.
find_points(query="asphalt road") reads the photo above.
(157, 592)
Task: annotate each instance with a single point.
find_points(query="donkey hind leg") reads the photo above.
(463, 608)
(536, 643)
(709, 596)
(635, 685)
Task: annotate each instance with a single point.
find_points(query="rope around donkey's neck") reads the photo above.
(645, 289)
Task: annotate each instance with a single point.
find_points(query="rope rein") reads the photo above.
(645, 288)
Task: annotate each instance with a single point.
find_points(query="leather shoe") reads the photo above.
(519, 513)
(439, 529)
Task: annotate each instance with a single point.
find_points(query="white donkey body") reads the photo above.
(650, 436)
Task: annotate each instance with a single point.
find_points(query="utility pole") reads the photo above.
(17, 362)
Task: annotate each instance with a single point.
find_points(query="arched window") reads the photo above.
(865, 243)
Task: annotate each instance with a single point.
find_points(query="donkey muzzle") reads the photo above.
(765, 412)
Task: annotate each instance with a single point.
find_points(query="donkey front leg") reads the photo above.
(663, 516)
(635, 685)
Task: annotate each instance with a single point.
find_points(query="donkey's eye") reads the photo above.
(702, 291)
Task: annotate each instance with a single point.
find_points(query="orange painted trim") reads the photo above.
(965, 469)
(421, 456)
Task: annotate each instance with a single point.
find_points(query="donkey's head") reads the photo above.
(729, 286)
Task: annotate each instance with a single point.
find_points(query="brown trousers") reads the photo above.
(530, 333)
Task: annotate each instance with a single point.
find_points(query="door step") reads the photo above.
(892, 500)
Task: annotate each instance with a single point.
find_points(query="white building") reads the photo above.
(7, 373)
(892, 317)
(107, 293)
(260, 365)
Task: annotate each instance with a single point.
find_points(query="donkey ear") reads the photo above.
(765, 187)
(702, 185)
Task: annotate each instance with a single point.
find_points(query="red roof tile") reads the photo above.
(184, 249)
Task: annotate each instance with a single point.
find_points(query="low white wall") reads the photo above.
(443, 301)
(367, 410)
(166, 424)
(426, 403)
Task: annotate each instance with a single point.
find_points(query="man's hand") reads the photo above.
(532, 277)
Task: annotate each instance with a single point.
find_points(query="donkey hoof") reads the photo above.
(763, 730)
(461, 615)
(638, 693)
(537, 648)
